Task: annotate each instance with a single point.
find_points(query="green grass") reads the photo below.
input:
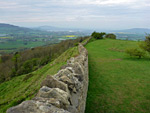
(20, 44)
(5, 37)
(25, 87)
(117, 83)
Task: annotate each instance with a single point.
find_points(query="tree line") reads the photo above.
(97, 35)
(24, 62)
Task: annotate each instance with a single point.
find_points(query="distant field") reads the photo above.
(117, 83)
(130, 36)
(25, 87)
(20, 44)
(5, 37)
(11, 46)
(8, 47)
(70, 36)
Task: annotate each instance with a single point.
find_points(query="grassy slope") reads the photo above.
(25, 87)
(117, 83)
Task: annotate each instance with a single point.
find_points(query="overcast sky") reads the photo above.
(90, 14)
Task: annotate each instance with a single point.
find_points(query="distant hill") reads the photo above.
(53, 28)
(7, 28)
(135, 30)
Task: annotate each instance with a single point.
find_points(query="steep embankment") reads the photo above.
(25, 87)
(117, 83)
(65, 92)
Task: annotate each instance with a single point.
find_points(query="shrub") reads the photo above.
(135, 52)
(97, 35)
(146, 44)
(111, 36)
(91, 40)
(44, 60)
(76, 44)
(28, 76)
(28, 66)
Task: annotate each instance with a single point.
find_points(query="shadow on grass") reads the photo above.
(137, 59)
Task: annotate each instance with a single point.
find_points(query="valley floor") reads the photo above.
(117, 83)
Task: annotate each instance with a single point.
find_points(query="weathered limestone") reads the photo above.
(32, 106)
(54, 93)
(65, 92)
(51, 82)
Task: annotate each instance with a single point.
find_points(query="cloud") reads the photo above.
(88, 12)
(105, 2)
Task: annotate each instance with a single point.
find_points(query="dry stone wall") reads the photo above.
(64, 92)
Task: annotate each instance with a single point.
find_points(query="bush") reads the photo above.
(28, 76)
(146, 44)
(111, 36)
(76, 44)
(135, 52)
(45, 61)
(97, 35)
(91, 40)
(28, 66)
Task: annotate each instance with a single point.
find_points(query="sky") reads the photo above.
(89, 14)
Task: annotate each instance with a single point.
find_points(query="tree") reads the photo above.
(110, 35)
(135, 52)
(93, 34)
(15, 59)
(97, 35)
(29, 60)
(146, 44)
(5, 58)
(0, 60)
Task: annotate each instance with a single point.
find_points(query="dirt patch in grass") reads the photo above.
(108, 60)
(116, 49)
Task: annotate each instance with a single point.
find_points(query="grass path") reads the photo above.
(117, 83)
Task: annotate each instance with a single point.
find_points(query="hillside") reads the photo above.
(62, 29)
(25, 87)
(51, 28)
(117, 83)
(135, 30)
(7, 28)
